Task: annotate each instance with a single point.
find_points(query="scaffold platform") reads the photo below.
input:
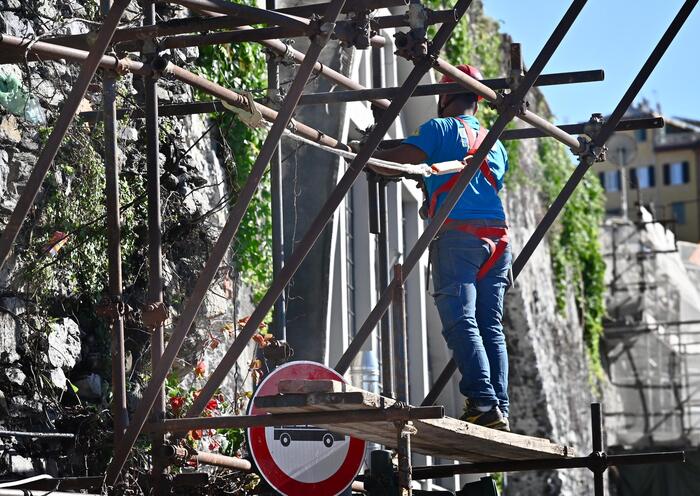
(445, 437)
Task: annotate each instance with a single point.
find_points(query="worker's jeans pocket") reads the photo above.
(451, 304)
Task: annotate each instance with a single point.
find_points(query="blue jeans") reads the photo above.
(471, 313)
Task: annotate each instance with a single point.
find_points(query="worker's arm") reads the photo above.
(402, 154)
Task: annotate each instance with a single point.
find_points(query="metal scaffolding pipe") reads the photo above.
(531, 118)
(511, 107)
(279, 322)
(60, 128)
(238, 100)
(34, 492)
(50, 50)
(114, 255)
(390, 414)
(180, 109)
(154, 296)
(218, 253)
(319, 223)
(440, 471)
(251, 14)
(445, 88)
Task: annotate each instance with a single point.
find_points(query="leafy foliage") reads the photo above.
(241, 66)
(576, 256)
(74, 204)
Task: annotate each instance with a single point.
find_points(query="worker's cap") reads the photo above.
(469, 70)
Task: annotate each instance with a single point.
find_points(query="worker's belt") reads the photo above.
(485, 233)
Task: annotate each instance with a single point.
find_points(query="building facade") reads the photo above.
(659, 169)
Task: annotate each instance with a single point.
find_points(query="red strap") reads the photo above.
(474, 143)
(486, 234)
(496, 253)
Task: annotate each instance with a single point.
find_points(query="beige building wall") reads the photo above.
(677, 202)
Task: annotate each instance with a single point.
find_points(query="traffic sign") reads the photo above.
(296, 459)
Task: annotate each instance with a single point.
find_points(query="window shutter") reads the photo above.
(601, 176)
(652, 176)
(633, 178)
(667, 174)
(618, 175)
(686, 172)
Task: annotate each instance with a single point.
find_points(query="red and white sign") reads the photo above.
(299, 460)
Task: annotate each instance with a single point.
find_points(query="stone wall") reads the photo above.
(54, 352)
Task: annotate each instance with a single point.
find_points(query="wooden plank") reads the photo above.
(447, 437)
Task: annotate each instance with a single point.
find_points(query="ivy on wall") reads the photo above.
(241, 66)
(574, 243)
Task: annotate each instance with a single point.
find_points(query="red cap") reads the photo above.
(469, 70)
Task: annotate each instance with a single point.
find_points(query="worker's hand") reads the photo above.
(355, 146)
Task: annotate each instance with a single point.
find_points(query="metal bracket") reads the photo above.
(111, 310)
(411, 45)
(277, 352)
(590, 151)
(320, 31)
(154, 315)
(252, 117)
(355, 32)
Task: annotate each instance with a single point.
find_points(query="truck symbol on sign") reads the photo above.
(288, 433)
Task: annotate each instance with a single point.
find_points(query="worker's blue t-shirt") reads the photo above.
(444, 139)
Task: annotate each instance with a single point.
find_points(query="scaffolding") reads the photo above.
(650, 336)
(319, 22)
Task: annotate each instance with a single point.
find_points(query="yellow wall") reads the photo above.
(661, 196)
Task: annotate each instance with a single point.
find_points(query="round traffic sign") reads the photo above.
(296, 459)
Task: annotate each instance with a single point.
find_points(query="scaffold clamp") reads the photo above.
(251, 117)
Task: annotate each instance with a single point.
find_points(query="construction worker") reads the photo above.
(470, 256)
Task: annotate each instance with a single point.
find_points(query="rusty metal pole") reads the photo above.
(114, 256)
(220, 249)
(403, 445)
(279, 323)
(598, 453)
(398, 313)
(154, 302)
(422, 65)
(60, 128)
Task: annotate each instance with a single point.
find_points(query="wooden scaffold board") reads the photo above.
(446, 437)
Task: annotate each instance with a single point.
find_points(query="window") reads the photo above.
(640, 134)
(678, 209)
(676, 173)
(644, 177)
(611, 180)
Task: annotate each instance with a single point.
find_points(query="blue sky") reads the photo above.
(616, 36)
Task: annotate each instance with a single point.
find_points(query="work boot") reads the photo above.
(493, 418)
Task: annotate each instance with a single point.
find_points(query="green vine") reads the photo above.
(74, 204)
(240, 66)
(576, 254)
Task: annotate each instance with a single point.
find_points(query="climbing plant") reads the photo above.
(74, 205)
(574, 243)
(241, 66)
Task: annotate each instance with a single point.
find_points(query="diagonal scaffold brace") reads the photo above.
(600, 133)
(509, 106)
(318, 41)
